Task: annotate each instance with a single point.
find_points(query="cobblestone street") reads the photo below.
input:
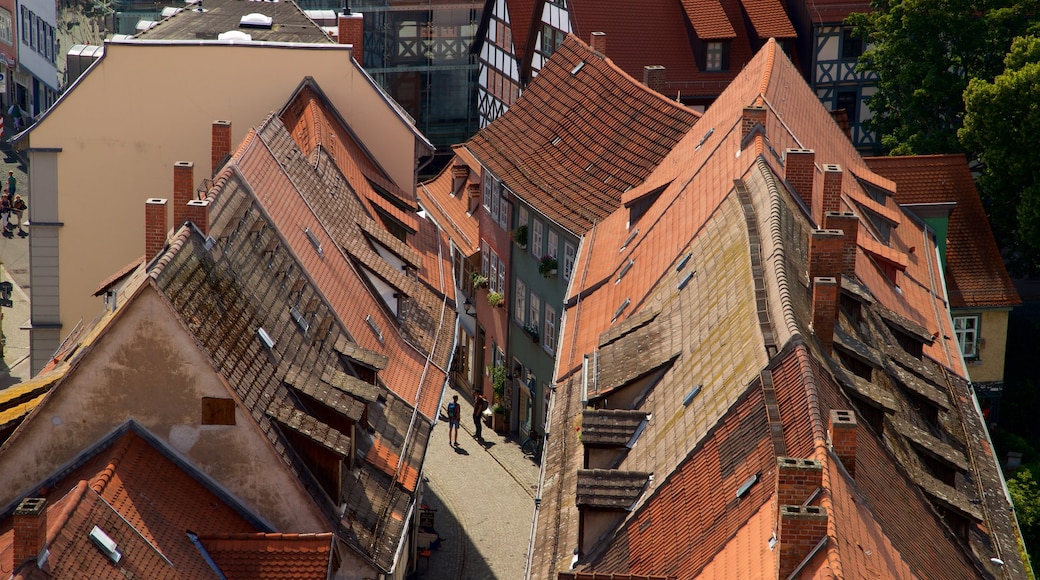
(484, 497)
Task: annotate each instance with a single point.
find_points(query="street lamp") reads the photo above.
(467, 307)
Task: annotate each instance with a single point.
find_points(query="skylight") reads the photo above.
(106, 544)
(314, 241)
(235, 35)
(621, 308)
(265, 338)
(375, 328)
(577, 67)
(256, 20)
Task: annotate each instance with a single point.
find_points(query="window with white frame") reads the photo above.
(503, 208)
(549, 340)
(536, 310)
(493, 274)
(967, 330)
(492, 267)
(536, 238)
(521, 216)
(488, 180)
(485, 269)
(714, 59)
(501, 276)
(6, 27)
(554, 244)
(568, 260)
(521, 301)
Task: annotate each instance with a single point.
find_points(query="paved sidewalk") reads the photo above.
(483, 492)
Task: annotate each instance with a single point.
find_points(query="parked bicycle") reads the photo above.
(532, 446)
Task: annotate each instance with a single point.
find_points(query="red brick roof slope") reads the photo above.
(769, 19)
(447, 202)
(576, 142)
(835, 11)
(709, 20)
(521, 16)
(975, 274)
(695, 511)
(271, 556)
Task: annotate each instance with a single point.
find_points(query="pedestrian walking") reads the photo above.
(480, 404)
(454, 415)
(5, 213)
(12, 183)
(18, 207)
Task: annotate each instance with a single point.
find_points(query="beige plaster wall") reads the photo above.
(993, 329)
(146, 106)
(147, 367)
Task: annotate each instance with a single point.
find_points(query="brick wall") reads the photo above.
(352, 31)
(801, 529)
(826, 249)
(221, 144)
(751, 116)
(800, 172)
(30, 529)
(843, 438)
(198, 214)
(797, 479)
(829, 198)
(848, 223)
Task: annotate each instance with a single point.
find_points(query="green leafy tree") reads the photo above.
(1025, 494)
(1001, 126)
(925, 52)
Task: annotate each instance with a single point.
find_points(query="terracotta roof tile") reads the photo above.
(975, 275)
(769, 19)
(450, 205)
(271, 556)
(709, 20)
(609, 489)
(521, 16)
(576, 142)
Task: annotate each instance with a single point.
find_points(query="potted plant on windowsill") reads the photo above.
(496, 299)
(547, 266)
(479, 280)
(532, 331)
(519, 236)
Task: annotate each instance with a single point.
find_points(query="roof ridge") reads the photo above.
(73, 499)
(802, 355)
(173, 247)
(119, 451)
(767, 72)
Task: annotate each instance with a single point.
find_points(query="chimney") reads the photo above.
(221, 147)
(848, 223)
(351, 30)
(830, 196)
(750, 117)
(825, 253)
(599, 42)
(800, 172)
(460, 171)
(155, 227)
(183, 190)
(801, 530)
(797, 480)
(198, 214)
(474, 190)
(843, 438)
(825, 310)
(653, 77)
(30, 529)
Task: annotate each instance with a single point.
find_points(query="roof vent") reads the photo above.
(629, 239)
(314, 241)
(577, 67)
(744, 487)
(621, 308)
(624, 270)
(691, 395)
(235, 35)
(375, 327)
(704, 138)
(684, 261)
(170, 11)
(256, 20)
(686, 279)
(265, 338)
(299, 318)
(106, 544)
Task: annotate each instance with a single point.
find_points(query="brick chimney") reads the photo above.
(801, 529)
(474, 190)
(198, 214)
(829, 198)
(351, 30)
(653, 77)
(30, 529)
(825, 253)
(848, 223)
(221, 147)
(599, 42)
(842, 432)
(800, 172)
(750, 117)
(183, 190)
(155, 227)
(797, 479)
(825, 310)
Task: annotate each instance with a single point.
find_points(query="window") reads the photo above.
(521, 216)
(554, 245)
(714, 58)
(536, 309)
(493, 275)
(488, 179)
(551, 39)
(485, 268)
(501, 276)
(851, 45)
(536, 239)
(503, 207)
(521, 301)
(549, 339)
(967, 330)
(568, 260)
(6, 24)
(848, 100)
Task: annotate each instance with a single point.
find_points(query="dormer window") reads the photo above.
(713, 59)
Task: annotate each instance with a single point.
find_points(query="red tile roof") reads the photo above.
(769, 19)
(576, 142)
(448, 203)
(521, 16)
(709, 20)
(975, 275)
(271, 556)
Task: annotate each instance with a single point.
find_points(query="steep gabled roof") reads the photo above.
(584, 133)
(975, 275)
(714, 266)
(446, 200)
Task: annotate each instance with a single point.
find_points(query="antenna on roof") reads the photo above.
(346, 7)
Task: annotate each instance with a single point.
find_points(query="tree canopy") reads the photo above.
(1001, 126)
(925, 52)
